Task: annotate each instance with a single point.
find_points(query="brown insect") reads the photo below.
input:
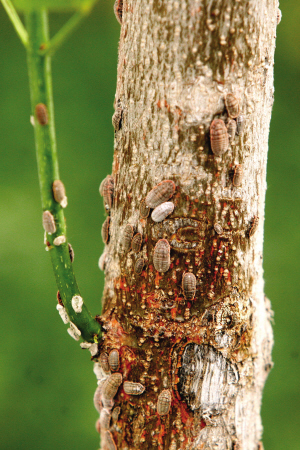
(160, 193)
(97, 398)
(109, 441)
(231, 129)
(164, 402)
(111, 386)
(139, 265)
(127, 237)
(107, 191)
(254, 226)
(240, 123)
(59, 192)
(41, 113)
(132, 388)
(238, 175)
(118, 9)
(105, 230)
(218, 137)
(114, 360)
(218, 228)
(71, 252)
(161, 256)
(104, 419)
(103, 360)
(162, 211)
(49, 222)
(117, 118)
(232, 104)
(136, 242)
(97, 426)
(144, 210)
(189, 286)
(115, 413)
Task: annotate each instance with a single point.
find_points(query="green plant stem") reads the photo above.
(50, 47)
(40, 80)
(16, 21)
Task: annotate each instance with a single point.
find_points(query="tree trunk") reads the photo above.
(177, 62)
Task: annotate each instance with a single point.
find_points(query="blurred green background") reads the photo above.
(46, 381)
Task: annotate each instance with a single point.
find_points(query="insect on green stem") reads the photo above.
(40, 81)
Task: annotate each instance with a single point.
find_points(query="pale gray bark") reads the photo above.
(177, 61)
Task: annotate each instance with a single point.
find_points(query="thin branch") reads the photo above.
(51, 46)
(16, 21)
(40, 80)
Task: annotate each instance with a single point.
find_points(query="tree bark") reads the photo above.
(177, 62)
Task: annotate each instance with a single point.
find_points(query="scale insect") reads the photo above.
(132, 388)
(164, 402)
(189, 286)
(41, 113)
(161, 256)
(105, 230)
(139, 265)
(114, 360)
(111, 386)
(238, 175)
(218, 137)
(232, 105)
(160, 193)
(162, 211)
(127, 237)
(136, 242)
(49, 222)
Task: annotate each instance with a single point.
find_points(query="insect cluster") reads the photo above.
(110, 382)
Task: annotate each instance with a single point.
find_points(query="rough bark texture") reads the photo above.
(177, 61)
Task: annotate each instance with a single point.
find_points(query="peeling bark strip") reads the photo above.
(178, 61)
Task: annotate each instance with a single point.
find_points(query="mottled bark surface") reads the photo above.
(177, 61)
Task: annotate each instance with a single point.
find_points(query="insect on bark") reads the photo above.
(231, 129)
(161, 256)
(127, 237)
(111, 385)
(218, 137)
(189, 286)
(132, 388)
(103, 360)
(104, 419)
(117, 118)
(118, 9)
(105, 230)
(97, 398)
(49, 222)
(144, 209)
(106, 189)
(41, 113)
(114, 360)
(136, 242)
(164, 402)
(240, 124)
(139, 265)
(110, 443)
(238, 175)
(162, 211)
(115, 413)
(232, 105)
(254, 226)
(218, 228)
(160, 193)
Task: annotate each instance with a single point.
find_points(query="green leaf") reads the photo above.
(54, 5)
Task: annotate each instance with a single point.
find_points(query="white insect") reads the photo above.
(77, 303)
